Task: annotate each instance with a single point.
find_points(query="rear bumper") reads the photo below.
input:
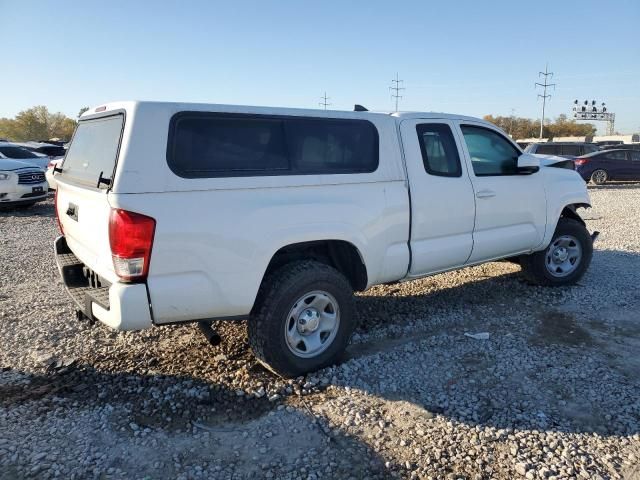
(119, 305)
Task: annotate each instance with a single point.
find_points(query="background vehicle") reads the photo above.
(562, 149)
(21, 184)
(50, 150)
(49, 172)
(623, 146)
(277, 215)
(601, 167)
(17, 152)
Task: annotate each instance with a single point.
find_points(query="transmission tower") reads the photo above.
(546, 74)
(396, 89)
(324, 103)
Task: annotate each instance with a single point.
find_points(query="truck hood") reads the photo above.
(549, 160)
(7, 164)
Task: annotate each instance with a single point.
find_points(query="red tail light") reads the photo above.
(55, 207)
(131, 238)
(580, 161)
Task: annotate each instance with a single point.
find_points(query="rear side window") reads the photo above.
(591, 148)
(93, 150)
(619, 155)
(573, 150)
(548, 150)
(439, 150)
(205, 145)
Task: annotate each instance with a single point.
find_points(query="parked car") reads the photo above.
(21, 184)
(17, 152)
(562, 149)
(49, 173)
(277, 215)
(624, 146)
(601, 167)
(51, 151)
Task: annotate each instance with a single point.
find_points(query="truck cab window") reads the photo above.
(491, 154)
(439, 150)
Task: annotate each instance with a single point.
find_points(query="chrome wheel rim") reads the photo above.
(599, 176)
(312, 324)
(563, 256)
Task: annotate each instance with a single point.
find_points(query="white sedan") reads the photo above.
(21, 184)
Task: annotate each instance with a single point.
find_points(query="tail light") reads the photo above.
(55, 207)
(131, 238)
(580, 161)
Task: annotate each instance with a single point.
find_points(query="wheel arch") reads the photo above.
(569, 210)
(342, 255)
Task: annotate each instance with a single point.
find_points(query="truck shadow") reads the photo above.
(162, 426)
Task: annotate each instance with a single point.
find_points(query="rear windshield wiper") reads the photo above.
(103, 180)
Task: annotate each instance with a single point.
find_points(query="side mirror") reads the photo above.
(528, 164)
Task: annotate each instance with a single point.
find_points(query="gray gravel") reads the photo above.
(553, 392)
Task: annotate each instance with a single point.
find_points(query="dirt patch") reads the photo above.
(557, 327)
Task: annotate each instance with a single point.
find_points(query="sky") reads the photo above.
(473, 57)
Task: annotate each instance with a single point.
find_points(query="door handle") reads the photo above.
(486, 194)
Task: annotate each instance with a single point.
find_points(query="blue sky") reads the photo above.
(469, 57)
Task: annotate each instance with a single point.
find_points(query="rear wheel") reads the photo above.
(303, 319)
(565, 260)
(599, 177)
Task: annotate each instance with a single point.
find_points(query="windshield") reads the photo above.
(16, 152)
(93, 150)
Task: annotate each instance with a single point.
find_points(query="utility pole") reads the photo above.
(324, 103)
(544, 95)
(396, 89)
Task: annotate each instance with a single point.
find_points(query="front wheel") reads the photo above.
(303, 320)
(565, 260)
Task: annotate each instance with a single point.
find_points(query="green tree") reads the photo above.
(82, 110)
(37, 123)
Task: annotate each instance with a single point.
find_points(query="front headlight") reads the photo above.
(4, 176)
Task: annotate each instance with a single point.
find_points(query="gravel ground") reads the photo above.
(553, 392)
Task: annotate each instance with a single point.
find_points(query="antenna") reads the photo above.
(396, 89)
(324, 103)
(544, 95)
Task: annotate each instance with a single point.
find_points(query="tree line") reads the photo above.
(519, 127)
(37, 123)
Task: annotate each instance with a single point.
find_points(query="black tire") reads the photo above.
(534, 266)
(277, 296)
(599, 177)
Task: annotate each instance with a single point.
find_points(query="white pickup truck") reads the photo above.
(174, 212)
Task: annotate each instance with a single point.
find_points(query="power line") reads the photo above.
(396, 88)
(544, 95)
(324, 103)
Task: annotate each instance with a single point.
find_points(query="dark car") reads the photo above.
(600, 167)
(624, 146)
(569, 150)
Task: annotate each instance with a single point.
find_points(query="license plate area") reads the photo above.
(37, 190)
